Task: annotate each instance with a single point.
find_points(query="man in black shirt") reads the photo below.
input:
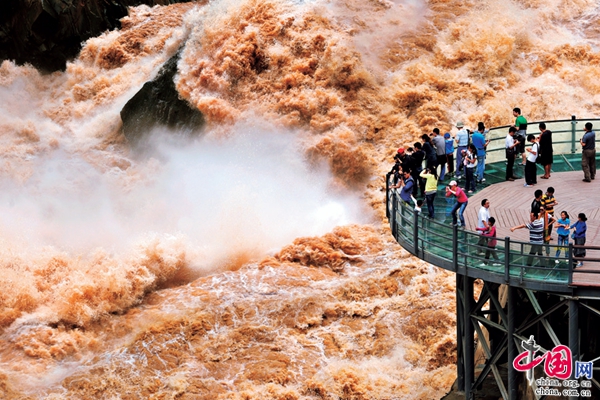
(417, 167)
(536, 204)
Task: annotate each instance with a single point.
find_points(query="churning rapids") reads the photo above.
(253, 261)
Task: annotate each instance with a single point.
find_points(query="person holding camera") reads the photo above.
(406, 184)
(431, 182)
(470, 159)
(462, 141)
(461, 203)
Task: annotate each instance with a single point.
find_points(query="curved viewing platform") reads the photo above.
(440, 243)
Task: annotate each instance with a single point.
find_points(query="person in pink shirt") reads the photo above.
(490, 232)
(461, 203)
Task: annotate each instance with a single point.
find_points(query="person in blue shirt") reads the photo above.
(406, 183)
(563, 234)
(588, 153)
(479, 141)
(579, 236)
(449, 152)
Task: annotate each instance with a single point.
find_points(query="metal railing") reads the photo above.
(462, 251)
(565, 136)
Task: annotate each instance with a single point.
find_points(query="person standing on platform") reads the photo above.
(461, 203)
(431, 182)
(588, 153)
(521, 125)
(440, 151)
(429, 150)
(536, 236)
(563, 226)
(579, 236)
(548, 202)
(510, 146)
(546, 151)
(417, 163)
(396, 170)
(406, 184)
(531, 167)
(479, 141)
(548, 221)
(536, 204)
(470, 159)
(449, 152)
(483, 217)
(462, 141)
(490, 235)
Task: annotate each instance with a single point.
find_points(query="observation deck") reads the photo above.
(517, 300)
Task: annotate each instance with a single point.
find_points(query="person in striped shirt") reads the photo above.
(536, 235)
(548, 202)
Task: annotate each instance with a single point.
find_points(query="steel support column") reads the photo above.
(512, 348)
(574, 333)
(469, 331)
(460, 370)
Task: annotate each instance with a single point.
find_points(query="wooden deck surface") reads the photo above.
(510, 203)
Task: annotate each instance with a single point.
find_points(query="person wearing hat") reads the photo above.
(449, 152)
(462, 141)
(397, 168)
(461, 203)
(579, 236)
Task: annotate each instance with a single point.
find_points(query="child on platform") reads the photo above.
(563, 234)
(490, 233)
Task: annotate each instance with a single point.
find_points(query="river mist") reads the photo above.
(251, 259)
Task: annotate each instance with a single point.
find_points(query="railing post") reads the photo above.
(570, 262)
(394, 212)
(469, 332)
(387, 195)
(416, 231)
(460, 364)
(512, 348)
(506, 259)
(455, 247)
(573, 129)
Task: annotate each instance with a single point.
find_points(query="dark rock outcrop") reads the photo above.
(47, 33)
(158, 104)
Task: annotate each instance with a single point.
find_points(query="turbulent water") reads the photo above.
(253, 261)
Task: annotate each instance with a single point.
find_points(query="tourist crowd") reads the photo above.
(419, 168)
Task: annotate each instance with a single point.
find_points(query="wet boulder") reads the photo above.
(158, 103)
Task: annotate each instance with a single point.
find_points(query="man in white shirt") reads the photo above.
(530, 167)
(482, 224)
